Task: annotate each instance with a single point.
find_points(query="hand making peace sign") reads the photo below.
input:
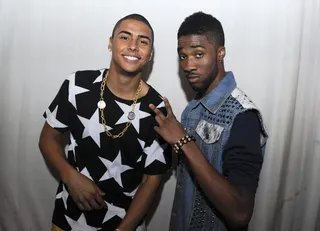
(169, 127)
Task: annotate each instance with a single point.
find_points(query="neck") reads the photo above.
(123, 85)
(221, 74)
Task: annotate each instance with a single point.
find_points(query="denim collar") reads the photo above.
(219, 94)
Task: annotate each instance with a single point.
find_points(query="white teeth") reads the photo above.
(131, 57)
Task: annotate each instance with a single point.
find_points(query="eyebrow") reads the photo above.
(140, 36)
(192, 46)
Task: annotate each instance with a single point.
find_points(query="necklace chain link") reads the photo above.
(103, 120)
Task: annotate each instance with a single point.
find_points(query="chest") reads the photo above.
(211, 131)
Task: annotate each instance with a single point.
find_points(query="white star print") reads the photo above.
(74, 90)
(155, 152)
(161, 105)
(63, 195)
(142, 143)
(139, 115)
(80, 224)
(72, 146)
(86, 173)
(92, 127)
(114, 169)
(131, 194)
(99, 78)
(140, 158)
(52, 119)
(114, 211)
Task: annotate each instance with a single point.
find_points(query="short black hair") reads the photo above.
(137, 17)
(201, 23)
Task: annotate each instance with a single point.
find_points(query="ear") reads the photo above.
(110, 44)
(221, 53)
(151, 55)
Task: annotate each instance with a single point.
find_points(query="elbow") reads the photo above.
(41, 144)
(240, 220)
(44, 142)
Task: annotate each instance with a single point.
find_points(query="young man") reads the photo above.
(115, 158)
(221, 139)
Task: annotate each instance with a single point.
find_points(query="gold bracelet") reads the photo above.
(186, 139)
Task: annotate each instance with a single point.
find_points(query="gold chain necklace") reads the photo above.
(102, 105)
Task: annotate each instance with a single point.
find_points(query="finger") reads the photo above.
(159, 120)
(100, 200)
(168, 106)
(86, 205)
(94, 204)
(100, 191)
(157, 112)
(157, 129)
(83, 201)
(80, 206)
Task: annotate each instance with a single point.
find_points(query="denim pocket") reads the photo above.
(209, 133)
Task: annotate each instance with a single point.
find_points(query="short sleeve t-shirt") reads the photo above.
(116, 166)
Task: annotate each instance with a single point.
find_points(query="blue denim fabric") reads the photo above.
(209, 120)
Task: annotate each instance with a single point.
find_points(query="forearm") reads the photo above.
(141, 203)
(228, 199)
(53, 153)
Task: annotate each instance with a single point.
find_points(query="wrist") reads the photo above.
(66, 173)
(177, 147)
(124, 227)
(179, 137)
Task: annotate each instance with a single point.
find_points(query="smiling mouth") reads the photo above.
(131, 58)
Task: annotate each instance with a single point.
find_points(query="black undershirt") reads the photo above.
(242, 156)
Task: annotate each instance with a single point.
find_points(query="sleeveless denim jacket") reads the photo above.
(209, 120)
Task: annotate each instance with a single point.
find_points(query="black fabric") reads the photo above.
(242, 157)
(115, 165)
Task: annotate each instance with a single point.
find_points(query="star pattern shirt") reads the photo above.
(115, 165)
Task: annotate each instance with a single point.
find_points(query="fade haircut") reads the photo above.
(201, 23)
(136, 17)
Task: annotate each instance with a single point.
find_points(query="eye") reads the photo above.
(199, 55)
(182, 57)
(144, 42)
(123, 37)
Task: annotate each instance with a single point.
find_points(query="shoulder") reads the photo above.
(246, 112)
(86, 77)
(154, 97)
(239, 97)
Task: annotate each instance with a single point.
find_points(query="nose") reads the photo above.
(133, 45)
(188, 65)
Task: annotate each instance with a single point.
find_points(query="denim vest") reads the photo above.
(209, 120)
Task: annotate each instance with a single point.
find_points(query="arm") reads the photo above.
(141, 202)
(235, 203)
(50, 144)
(82, 190)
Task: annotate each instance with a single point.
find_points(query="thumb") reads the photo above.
(100, 191)
(157, 129)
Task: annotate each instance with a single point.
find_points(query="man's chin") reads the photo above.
(131, 71)
(196, 88)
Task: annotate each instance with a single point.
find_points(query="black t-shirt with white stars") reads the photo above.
(115, 165)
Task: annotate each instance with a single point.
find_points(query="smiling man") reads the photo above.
(115, 159)
(220, 141)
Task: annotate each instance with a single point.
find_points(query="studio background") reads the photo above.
(273, 48)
